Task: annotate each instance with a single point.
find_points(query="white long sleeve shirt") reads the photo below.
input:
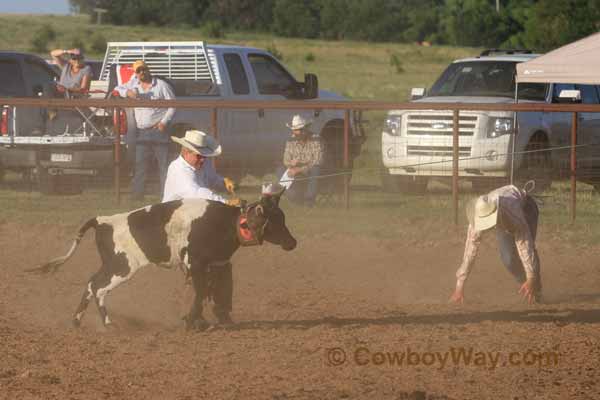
(185, 182)
(510, 204)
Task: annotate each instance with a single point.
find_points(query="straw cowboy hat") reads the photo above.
(482, 212)
(200, 143)
(139, 63)
(299, 122)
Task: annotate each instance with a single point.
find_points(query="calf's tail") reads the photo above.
(52, 265)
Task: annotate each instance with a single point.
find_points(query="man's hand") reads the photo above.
(292, 172)
(458, 296)
(235, 202)
(527, 290)
(132, 94)
(229, 185)
(161, 127)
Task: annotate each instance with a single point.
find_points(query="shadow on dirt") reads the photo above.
(560, 317)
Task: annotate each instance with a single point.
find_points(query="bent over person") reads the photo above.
(192, 175)
(515, 215)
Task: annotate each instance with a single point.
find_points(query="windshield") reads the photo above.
(484, 78)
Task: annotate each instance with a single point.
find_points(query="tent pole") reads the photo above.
(514, 138)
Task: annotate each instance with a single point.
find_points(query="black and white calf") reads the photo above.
(192, 233)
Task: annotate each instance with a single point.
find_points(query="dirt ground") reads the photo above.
(338, 318)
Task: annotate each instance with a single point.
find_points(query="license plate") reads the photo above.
(58, 157)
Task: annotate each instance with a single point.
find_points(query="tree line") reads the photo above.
(539, 25)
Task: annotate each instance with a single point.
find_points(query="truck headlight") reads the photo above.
(393, 125)
(499, 127)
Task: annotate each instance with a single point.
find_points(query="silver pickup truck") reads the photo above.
(417, 144)
(253, 140)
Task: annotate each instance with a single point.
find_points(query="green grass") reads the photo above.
(373, 213)
(359, 70)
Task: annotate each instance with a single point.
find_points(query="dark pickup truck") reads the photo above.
(54, 152)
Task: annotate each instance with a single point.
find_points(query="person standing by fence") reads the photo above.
(152, 123)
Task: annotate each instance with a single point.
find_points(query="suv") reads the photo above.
(417, 144)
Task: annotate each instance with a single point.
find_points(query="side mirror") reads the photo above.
(569, 97)
(417, 93)
(311, 86)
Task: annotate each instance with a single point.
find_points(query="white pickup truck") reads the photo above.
(253, 140)
(417, 144)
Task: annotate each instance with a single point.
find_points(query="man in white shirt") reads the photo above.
(193, 175)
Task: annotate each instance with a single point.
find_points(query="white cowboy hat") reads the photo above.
(200, 143)
(482, 212)
(299, 122)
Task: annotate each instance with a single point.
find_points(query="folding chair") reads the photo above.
(88, 128)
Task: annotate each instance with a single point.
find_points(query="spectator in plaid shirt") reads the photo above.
(302, 159)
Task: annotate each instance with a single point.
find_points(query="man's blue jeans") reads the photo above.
(508, 249)
(144, 151)
(303, 191)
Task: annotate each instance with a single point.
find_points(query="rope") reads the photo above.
(321, 176)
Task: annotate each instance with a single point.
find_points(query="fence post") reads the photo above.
(214, 128)
(117, 131)
(573, 166)
(347, 158)
(455, 130)
(214, 122)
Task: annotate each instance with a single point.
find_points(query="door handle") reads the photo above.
(261, 113)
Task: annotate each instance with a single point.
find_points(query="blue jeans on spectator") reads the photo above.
(144, 150)
(303, 191)
(508, 249)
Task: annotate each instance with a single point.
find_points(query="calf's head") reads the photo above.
(268, 219)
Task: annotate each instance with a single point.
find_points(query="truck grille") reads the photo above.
(437, 151)
(439, 125)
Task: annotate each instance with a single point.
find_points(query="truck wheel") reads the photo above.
(536, 165)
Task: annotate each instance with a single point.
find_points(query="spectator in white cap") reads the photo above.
(302, 160)
(515, 215)
(192, 174)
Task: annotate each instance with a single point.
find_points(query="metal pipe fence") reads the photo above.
(456, 155)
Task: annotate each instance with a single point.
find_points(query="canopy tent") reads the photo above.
(576, 62)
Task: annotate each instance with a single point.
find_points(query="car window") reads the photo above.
(271, 78)
(237, 74)
(11, 81)
(40, 73)
(588, 94)
(532, 91)
(477, 78)
(558, 87)
(96, 67)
